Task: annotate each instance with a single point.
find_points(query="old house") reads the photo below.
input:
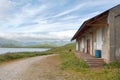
(102, 33)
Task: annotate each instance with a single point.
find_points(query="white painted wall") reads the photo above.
(76, 45)
(82, 43)
(91, 45)
(99, 40)
(79, 45)
(85, 45)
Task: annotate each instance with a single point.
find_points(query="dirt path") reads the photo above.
(37, 68)
(14, 70)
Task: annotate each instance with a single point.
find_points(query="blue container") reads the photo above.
(98, 53)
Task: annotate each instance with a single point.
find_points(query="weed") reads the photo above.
(112, 65)
(117, 74)
(69, 61)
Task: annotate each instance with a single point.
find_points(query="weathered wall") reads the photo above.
(82, 45)
(114, 24)
(76, 45)
(94, 42)
(89, 37)
(99, 37)
(106, 44)
(101, 41)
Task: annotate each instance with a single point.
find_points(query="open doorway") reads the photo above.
(88, 46)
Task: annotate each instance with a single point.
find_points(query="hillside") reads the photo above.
(50, 42)
(62, 49)
(8, 43)
(41, 46)
(31, 44)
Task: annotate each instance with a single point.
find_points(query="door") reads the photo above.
(88, 46)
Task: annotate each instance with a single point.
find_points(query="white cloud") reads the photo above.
(70, 17)
(47, 21)
(25, 14)
(60, 35)
(90, 15)
(70, 10)
(43, 27)
(63, 34)
(5, 5)
(28, 11)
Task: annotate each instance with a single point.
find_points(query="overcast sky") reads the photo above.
(48, 19)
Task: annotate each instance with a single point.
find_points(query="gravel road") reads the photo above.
(16, 69)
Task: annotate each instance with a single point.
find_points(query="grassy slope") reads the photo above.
(70, 63)
(81, 70)
(30, 46)
(18, 55)
(41, 46)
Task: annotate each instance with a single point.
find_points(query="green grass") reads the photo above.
(112, 65)
(18, 55)
(70, 63)
(62, 49)
(81, 69)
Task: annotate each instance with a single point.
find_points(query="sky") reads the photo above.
(47, 19)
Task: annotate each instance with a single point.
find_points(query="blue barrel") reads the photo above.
(98, 53)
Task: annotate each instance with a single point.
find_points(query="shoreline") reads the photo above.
(14, 50)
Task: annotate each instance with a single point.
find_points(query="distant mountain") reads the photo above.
(8, 43)
(52, 42)
(41, 46)
(14, 43)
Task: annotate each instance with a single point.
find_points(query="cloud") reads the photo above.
(25, 14)
(48, 27)
(70, 10)
(70, 17)
(5, 5)
(24, 18)
(60, 35)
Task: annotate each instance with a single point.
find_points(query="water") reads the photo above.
(6, 50)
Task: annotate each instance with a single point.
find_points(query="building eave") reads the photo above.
(88, 22)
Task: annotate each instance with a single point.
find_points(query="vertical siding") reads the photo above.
(76, 45)
(94, 42)
(91, 43)
(106, 46)
(82, 45)
(99, 41)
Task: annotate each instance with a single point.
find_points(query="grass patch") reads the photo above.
(112, 65)
(81, 69)
(69, 61)
(18, 55)
(62, 49)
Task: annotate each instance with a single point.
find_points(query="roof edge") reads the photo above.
(74, 37)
